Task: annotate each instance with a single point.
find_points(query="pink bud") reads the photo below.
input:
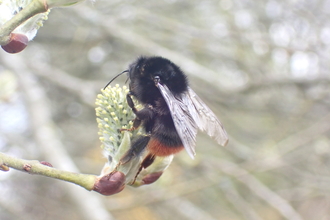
(110, 184)
(46, 163)
(152, 177)
(16, 44)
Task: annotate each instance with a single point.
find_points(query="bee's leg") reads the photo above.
(130, 102)
(141, 115)
(136, 149)
(136, 122)
(144, 114)
(145, 163)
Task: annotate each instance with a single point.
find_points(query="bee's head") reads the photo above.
(149, 71)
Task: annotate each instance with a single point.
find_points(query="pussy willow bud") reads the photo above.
(16, 44)
(26, 30)
(114, 114)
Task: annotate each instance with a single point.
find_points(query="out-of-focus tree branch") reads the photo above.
(237, 201)
(147, 45)
(289, 144)
(258, 188)
(267, 83)
(84, 89)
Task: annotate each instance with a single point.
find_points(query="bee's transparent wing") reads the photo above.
(183, 120)
(205, 119)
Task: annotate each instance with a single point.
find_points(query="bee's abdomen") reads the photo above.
(164, 140)
(163, 148)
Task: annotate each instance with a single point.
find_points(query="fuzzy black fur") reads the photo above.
(156, 115)
(144, 69)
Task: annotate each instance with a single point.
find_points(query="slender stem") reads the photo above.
(35, 167)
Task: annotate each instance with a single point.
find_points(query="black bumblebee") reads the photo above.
(172, 111)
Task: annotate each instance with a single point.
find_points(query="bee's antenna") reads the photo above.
(114, 79)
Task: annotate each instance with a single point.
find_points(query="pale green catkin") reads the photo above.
(113, 114)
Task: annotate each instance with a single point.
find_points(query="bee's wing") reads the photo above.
(205, 119)
(183, 120)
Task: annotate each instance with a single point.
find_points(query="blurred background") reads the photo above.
(261, 66)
